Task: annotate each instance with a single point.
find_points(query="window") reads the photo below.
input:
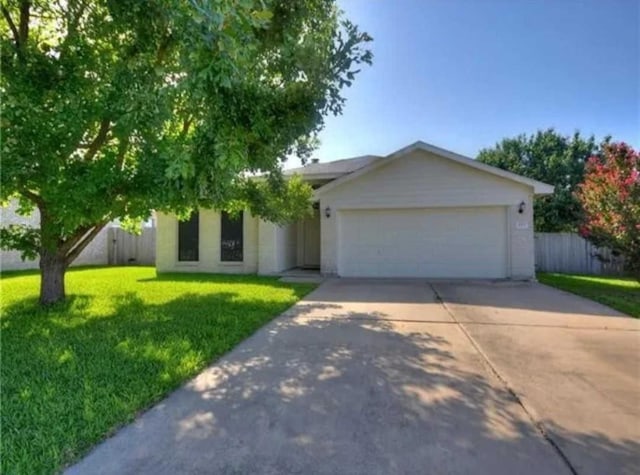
(189, 238)
(231, 235)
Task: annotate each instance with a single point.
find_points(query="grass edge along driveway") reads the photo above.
(71, 375)
(620, 293)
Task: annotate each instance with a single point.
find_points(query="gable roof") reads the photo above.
(539, 188)
(335, 169)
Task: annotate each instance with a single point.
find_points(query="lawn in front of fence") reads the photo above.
(621, 293)
(74, 373)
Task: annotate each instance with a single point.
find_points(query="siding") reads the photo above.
(421, 179)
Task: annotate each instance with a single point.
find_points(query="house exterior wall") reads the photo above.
(424, 180)
(209, 251)
(286, 246)
(277, 246)
(267, 235)
(268, 248)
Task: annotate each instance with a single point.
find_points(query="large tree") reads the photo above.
(610, 197)
(552, 158)
(112, 108)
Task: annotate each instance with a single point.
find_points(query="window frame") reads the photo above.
(195, 217)
(224, 257)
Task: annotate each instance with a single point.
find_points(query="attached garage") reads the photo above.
(423, 242)
(427, 212)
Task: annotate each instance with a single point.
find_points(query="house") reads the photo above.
(421, 211)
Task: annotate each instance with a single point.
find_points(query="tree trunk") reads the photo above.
(53, 266)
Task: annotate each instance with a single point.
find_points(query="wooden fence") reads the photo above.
(125, 248)
(570, 253)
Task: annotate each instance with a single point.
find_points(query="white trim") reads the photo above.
(417, 205)
(314, 176)
(508, 224)
(539, 188)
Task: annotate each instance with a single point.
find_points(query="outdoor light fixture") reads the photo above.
(521, 207)
(327, 212)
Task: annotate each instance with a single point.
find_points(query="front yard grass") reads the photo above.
(620, 293)
(74, 373)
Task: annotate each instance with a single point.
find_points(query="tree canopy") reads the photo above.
(552, 158)
(610, 197)
(112, 108)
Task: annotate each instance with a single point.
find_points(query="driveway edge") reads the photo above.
(521, 400)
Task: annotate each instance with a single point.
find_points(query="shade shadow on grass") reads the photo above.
(73, 373)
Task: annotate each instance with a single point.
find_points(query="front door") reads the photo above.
(311, 240)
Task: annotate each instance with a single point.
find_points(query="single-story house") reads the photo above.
(421, 211)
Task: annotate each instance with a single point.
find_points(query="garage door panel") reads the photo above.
(445, 242)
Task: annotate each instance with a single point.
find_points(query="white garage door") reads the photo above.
(433, 242)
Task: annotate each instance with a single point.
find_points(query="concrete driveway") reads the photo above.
(386, 377)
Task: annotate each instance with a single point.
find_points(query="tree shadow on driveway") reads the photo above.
(344, 396)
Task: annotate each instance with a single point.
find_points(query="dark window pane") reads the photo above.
(189, 238)
(231, 237)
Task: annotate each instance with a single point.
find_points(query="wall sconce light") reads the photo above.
(521, 207)
(327, 212)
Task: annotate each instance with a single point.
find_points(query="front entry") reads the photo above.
(311, 241)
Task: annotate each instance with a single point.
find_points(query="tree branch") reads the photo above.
(12, 26)
(25, 7)
(84, 240)
(99, 141)
(37, 199)
(186, 124)
(66, 244)
(73, 20)
(163, 49)
(122, 151)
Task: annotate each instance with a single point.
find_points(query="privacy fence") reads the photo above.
(112, 246)
(570, 253)
(125, 248)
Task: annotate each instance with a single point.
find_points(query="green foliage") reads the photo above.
(73, 373)
(114, 108)
(610, 197)
(620, 293)
(551, 158)
(22, 237)
(278, 200)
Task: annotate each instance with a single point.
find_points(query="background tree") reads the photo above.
(112, 108)
(610, 197)
(551, 158)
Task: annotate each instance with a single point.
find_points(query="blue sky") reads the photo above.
(462, 74)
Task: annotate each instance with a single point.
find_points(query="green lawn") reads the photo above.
(617, 292)
(73, 374)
